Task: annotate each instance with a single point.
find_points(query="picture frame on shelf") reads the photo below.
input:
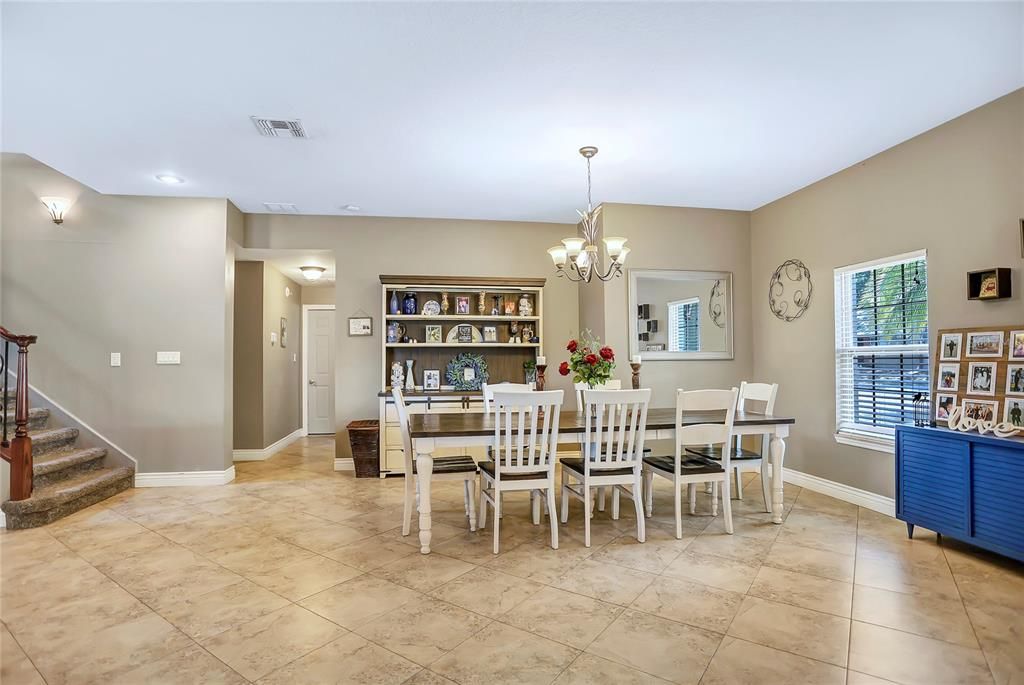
(465, 333)
(948, 378)
(510, 306)
(433, 334)
(490, 334)
(944, 404)
(950, 347)
(1016, 346)
(432, 379)
(1015, 379)
(985, 344)
(980, 410)
(357, 326)
(981, 378)
(1013, 412)
(461, 304)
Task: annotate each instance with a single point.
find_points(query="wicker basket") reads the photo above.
(363, 436)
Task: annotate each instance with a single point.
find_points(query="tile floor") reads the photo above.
(296, 574)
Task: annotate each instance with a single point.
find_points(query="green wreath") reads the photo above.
(455, 374)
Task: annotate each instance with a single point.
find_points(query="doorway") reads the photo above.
(318, 363)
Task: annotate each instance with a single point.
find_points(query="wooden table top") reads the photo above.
(456, 425)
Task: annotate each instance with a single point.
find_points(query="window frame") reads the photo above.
(672, 329)
(876, 438)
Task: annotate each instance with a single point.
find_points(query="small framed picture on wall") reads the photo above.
(949, 377)
(1013, 413)
(1015, 379)
(360, 325)
(985, 344)
(949, 347)
(944, 404)
(981, 378)
(1017, 346)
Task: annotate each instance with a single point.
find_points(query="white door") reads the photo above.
(320, 363)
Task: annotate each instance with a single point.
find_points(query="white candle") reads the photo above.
(541, 361)
(636, 358)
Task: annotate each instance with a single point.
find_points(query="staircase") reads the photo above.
(66, 477)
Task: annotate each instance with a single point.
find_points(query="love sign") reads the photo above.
(964, 424)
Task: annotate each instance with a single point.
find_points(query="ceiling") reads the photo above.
(289, 261)
(475, 110)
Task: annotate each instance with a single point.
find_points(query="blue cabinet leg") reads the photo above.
(910, 531)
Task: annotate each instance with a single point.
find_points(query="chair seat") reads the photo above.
(576, 464)
(451, 465)
(488, 468)
(715, 452)
(688, 465)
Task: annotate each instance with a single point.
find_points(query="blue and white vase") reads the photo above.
(409, 304)
(393, 304)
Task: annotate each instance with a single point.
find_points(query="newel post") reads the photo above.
(19, 452)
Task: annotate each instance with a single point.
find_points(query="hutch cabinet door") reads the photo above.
(934, 482)
(998, 517)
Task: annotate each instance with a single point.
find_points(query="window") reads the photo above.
(684, 325)
(881, 347)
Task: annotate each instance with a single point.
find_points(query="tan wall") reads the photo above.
(687, 239)
(248, 356)
(123, 274)
(372, 246)
(957, 191)
(282, 365)
(318, 294)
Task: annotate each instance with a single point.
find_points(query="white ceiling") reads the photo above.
(475, 110)
(289, 261)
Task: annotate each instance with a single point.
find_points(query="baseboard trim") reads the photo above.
(180, 478)
(846, 493)
(267, 452)
(3, 520)
(344, 464)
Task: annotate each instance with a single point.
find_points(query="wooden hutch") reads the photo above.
(493, 303)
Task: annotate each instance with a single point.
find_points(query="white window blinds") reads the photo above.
(684, 325)
(881, 344)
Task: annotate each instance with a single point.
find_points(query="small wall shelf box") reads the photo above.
(989, 284)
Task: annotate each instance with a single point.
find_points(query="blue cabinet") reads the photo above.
(964, 485)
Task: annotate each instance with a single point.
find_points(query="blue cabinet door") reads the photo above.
(934, 482)
(998, 516)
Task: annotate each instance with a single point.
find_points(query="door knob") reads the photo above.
(312, 382)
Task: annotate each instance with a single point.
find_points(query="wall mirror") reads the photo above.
(680, 314)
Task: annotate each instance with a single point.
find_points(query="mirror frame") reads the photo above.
(634, 341)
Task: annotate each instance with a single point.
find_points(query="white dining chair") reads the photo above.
(525, 443)
(445, 468)
(610, 384)
(614, 424)
(487, 389)
(744, 460)
(690, 469)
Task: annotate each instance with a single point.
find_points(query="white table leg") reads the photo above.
(778, 453)
(425, 471)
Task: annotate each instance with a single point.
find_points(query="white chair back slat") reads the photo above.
(614, 423)
(611, 384)
(695, 401)
(526, 442)
(757, 397)
(403, 421)
(487, 390)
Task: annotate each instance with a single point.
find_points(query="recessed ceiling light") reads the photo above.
(170, 179)
(312, 273)
(352, 208)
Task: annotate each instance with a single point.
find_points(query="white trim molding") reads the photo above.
(180, 478)
(345, 464)
(846, 493)
(267, 452)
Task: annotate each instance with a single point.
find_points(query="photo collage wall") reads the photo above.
(982, 371)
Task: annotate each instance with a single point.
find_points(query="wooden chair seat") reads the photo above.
(576, 464)
(688, 465)
(488, 468)
(715, 452)
(451, 465)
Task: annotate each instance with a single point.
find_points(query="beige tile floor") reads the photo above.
(296, 574)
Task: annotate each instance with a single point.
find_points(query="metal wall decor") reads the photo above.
(715, 309)
(789, 291)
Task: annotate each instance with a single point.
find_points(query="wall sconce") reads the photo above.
(56, 206)
(312, 273)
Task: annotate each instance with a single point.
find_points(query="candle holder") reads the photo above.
(541, 368)
(636, 374)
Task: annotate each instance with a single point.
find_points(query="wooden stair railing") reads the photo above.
(17, 451)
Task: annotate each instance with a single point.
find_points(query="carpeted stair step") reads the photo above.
(37, 418)
(51, 440)
(65, 463)
(60, 498)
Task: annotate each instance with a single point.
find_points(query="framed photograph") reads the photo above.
(432, 379)
(981, 378)
(949, 377)
(981, 410)
(433, 334)
(462, 305)
(949, 347)
(465, 333)
(1013, 413)
(510, 306)
(1017, 346)
(358, 325)
(985, 344)
(284, 332)
(1015, 379)
(490, 334)
(943, 405)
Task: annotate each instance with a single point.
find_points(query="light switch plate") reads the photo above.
(115, 359)
(168, 357)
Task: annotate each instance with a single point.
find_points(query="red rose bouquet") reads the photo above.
(588, 362)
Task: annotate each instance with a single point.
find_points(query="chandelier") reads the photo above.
(579, 259)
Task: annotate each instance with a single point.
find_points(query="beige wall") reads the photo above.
(123, 274)
(367, 247)
(957, 191)
(321, 294)
(687, 239)
(282, 365)
(248, 356)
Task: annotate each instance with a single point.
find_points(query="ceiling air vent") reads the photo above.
(279, 128)
(281, 208)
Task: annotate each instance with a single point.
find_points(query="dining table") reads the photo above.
(431, 432)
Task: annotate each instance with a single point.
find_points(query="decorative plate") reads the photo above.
(789, 292)
(467, 371)
(431, 308)
(453, 334)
